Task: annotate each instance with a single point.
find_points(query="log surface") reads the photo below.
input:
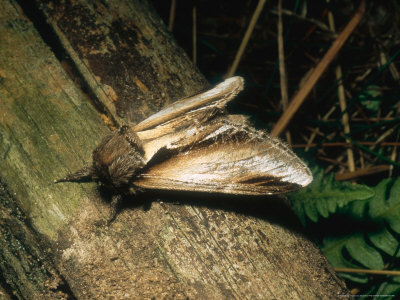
(125, 66)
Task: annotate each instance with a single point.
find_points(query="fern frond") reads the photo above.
(325, 195)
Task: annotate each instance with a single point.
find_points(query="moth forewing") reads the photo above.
(216, 97)
(183, 118)
(231, 158)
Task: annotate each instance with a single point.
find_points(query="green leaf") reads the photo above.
(385, 241)
(385, 209)
(333, 249)
(364, 249)
(389, 289)
(368, 256)
(352, 251)
(357, 210)
(324, 196)
(371, 97)
(385, 205)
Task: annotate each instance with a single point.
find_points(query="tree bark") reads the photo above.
(125, 66)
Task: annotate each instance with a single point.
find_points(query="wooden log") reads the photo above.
(44, 121)
(124, 54)
(183, 245)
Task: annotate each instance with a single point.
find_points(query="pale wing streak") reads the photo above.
(271, 153)
(238, 159)
(212, 170)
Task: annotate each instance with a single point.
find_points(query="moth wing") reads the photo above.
(236, 160)
(173, 122)
(215, 98)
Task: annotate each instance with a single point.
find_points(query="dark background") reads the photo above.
(372, 91)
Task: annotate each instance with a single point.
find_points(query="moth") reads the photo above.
(195, 145)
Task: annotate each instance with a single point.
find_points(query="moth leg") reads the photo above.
(134, 190)
(115, 202)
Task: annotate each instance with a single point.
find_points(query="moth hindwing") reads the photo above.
(195, 145)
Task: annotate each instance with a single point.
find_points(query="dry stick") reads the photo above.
(246, 38)
(338, 160)
(373, 145)
(345, 118)
(342, 101)
(396, 76)
(316, 74)
(282, 68)
(393, 157)
(379, 142)
(314, 133)
(361, 160)
(287, 12)
(345, 144)
(371, 120)
(392, 67)
(376, 272)
(383, 137)
(362, 172)
(333, 162)
(194, 36)
(172, 15)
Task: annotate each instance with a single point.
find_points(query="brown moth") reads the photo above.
(194, 145)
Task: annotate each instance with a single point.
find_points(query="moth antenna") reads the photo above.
(84, 174)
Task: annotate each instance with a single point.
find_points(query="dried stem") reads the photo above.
(365, 271)
(344, 144)
(282, 68)
(194, 32)
(287, 12)
(342, 101)
(314, 134)
(362, 172)
(316, 74)
(172, 15)
(246, 38)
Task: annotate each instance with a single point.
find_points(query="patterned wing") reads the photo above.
(230, 157)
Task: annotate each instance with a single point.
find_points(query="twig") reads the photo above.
(365, 271)
(393, 157)
(370, 120)
(311, 20)
(374, 153)
(282, 68)
(383, 136)
(246, 38)
(194, 14)
(392, 67)
(344, 144)
(316, 74)
(172, 15)
(362, 172)
(337, 162)
(342, 101)
(314, 133)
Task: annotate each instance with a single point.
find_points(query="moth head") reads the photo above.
(116, 161)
